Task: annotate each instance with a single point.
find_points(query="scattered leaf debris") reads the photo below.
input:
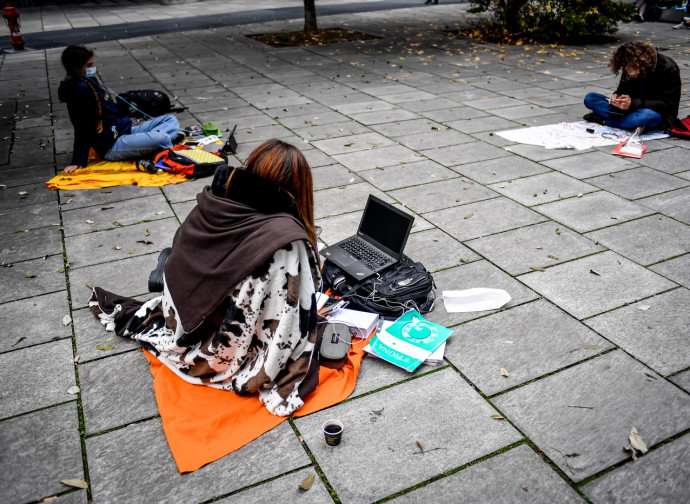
(579, 406)
(468, 215)
(18, 340)
(504, 372)
(593, 347)
(537, 268)
(105, 347)
(419, 445)
(497, 417)
(73, 390)
(30, 275)
(594, 272)
(77, 483)
(66, 320)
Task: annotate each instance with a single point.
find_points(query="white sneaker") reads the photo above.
(679, 25)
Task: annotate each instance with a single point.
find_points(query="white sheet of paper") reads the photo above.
(471, 300)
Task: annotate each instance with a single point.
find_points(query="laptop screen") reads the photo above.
(385, 225)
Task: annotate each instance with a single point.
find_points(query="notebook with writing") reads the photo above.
(379, 242)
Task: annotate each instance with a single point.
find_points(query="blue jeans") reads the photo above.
(598, 104)
(148, 137)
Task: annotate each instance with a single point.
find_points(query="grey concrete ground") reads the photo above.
(595, 344)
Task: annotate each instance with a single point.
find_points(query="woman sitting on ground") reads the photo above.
(97, 122)
(238, 309)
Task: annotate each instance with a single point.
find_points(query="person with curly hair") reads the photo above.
(648, 94)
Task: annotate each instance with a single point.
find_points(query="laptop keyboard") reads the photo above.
(360, 249)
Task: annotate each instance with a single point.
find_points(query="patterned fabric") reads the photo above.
(261, 338)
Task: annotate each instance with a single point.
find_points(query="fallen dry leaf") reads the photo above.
(105, 347)
(468, 215)
(504, 372)
(637, 442)
(75, 483)
(16, 342)
(594, 272)
(30, 275)
(131, 251)
(540, 248)
(115, 247)
(644, 307)
(22, 193)
(593, 347)
(145, 242)
(66, 320)
(73, 390)
(147, 233)
(558, 231)
(537, 268)
(307, 482)
(497, 417)
(115, 223)
(89, 221)
(552, 257)
(419, 445)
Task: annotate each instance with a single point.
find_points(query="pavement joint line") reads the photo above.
(666, 260)
(566, 261)
(593, 191)
(53, 340)
(26, 413)
(662, 192)
(634, 302)
(317, 467)
(439, 367)
(550, 373)
(109, 353)
(262, 482)
(629, 460)
(678, 372)
(31, 297)
(451, 472)
(118, 427)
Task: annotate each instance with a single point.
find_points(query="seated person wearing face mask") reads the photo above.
(97, 122)
(648, 94)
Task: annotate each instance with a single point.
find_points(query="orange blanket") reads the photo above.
(109, 174)
(203, 424)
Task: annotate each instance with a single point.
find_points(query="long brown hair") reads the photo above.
(639, 56)
(285, 165)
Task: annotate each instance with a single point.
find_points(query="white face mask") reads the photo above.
(90, 71)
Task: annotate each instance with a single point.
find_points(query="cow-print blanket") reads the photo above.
(260, 339)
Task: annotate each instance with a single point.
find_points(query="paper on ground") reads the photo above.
(573, 135)
(470, 300)
(436, 356)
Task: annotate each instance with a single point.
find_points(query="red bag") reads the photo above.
(681, 128)
(192, 163)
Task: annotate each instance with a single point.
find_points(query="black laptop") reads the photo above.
(379, 242)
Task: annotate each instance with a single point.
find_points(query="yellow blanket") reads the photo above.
(111, 173)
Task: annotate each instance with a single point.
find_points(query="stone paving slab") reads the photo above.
(354, 143)
(49, 277)
(592, 211)
(528, 341)
(39, 450)
(105, 196)
(483, 218)
(350, 198)
(42, 380)
(436, 250)
(121, 242)
(589, 164)
(13, 177)
(647, 240)
(326, 177)
(616, 281)
(673, 203)
(30, 217)
(404, 175)
(622, 396)
(283, 489)
(668, 160)
(544, 188)
(35, 320)
(35, 194)
(123, 212)
(110, 278)
(374, 158)
(465, 153)
(539, 153)
(187, 190)
(183, 209)
(638, 182)
(662, 475)
(30, 244)
(468, 276)
(442, 194)
(376, 459)
(107, 400)
(518, 475)
(537, 245)
(115, 479)
(505, 169)
(682, 380)
(677, 269)
(653, 330)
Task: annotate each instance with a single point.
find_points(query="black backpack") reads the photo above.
(151, 102)
(390, 293)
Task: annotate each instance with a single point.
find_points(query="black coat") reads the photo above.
(83, 109)
(659, 91)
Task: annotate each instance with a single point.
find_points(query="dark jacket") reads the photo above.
(84, 114)
(659, 90)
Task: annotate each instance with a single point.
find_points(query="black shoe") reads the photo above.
(428, 2)
(180, 138)
(592, 117)
(156, 276)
